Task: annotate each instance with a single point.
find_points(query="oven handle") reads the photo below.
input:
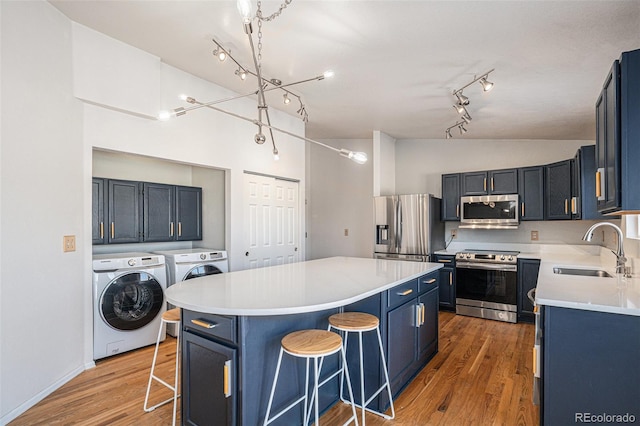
(487, 266)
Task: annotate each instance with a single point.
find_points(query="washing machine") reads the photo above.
(186, 264)
(128, 301)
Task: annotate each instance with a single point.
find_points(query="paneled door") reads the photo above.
(271, 221)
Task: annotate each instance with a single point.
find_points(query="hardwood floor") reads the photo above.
(481, 376)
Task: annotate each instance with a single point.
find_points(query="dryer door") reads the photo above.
(201, 271)
(131, 301)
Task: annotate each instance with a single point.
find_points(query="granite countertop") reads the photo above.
(294, 288)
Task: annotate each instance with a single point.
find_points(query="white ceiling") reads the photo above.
(398, 62)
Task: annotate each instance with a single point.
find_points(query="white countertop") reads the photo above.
(294, 288)
(617, 295)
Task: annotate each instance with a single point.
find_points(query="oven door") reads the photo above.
(487, 285)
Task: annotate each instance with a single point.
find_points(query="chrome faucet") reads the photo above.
(620, 259)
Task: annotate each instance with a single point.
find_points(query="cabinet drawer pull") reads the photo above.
(171, 229)
(566, 206)
(450, 278)
(204, 323)
(431, 281)
(492, 184)
(227, 379)
(101, 229)
(179, 229)
(406, 292)
(485, 184)
(573, 205)
(522, 210)
(422, 310)
(113, 230)
(457, 210)
(444, 261)
(598, 185)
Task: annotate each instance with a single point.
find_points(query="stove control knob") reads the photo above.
(502, 257)
(203, 256)
(132, 262)
(468, 255)
(510, 258)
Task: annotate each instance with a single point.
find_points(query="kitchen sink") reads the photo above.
(583, 272)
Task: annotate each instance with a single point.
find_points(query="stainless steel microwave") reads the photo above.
(490, 211)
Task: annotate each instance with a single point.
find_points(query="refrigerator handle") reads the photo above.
(399, 225)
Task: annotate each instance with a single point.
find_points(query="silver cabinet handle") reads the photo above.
(531, 294)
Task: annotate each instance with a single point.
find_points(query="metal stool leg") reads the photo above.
(153, 367)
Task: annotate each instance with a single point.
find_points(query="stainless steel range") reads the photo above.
(486, 284)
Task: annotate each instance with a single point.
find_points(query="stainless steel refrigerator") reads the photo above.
(408, 227)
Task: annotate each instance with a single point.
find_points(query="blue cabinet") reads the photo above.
(617, 135)
(451, 197)
(528, 270)
(558, 190)
(496, 182)
(98, 219)
(447, 276)
(590, 366)
(531, 192)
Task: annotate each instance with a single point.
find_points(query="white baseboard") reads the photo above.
(13, 414)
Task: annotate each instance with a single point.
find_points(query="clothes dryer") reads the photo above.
(186, 264)
(128, 301)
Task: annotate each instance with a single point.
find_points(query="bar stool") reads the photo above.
(172, 316)
(308, 344)
(360, 322)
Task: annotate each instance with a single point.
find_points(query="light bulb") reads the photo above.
(328, 74)
(244, 8)
(222, 55)
(241, 73)
(359, 157)
(183, 97)
(276, 156)
(286, 99)
(164, 115)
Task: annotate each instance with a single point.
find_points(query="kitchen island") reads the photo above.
(232, 326)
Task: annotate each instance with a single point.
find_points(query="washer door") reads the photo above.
(201, 271)
(131, 301)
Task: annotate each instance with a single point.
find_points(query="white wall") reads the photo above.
(44, 197)
(340, 198)
(48, 137)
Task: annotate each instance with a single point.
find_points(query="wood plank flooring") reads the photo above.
(481, 376)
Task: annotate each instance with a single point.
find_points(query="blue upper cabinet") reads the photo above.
(617, 136)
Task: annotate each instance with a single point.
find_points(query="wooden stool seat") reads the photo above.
(172, 315)
(354, 321)
(312, 343)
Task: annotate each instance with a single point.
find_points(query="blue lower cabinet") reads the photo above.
(590, 368)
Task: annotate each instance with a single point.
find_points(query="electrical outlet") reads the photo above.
(69, 243)
(534, 235)
(346, 232)
(454, 232)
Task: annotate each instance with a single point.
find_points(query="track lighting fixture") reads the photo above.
(220, 53)
(486, 85)
(462, 101)
(242, 73)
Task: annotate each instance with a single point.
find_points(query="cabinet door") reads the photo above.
(189, 213)
(527, 279)
(447, 289)
(588, 199)
(158, 212)
(208, 382)
(474, 183)
(428, 330)
(558, 190)
(531, 193)
(608, 140)
(401, 349)
(97, 208)
(503, 181)
(124, 211)
(451, 197)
